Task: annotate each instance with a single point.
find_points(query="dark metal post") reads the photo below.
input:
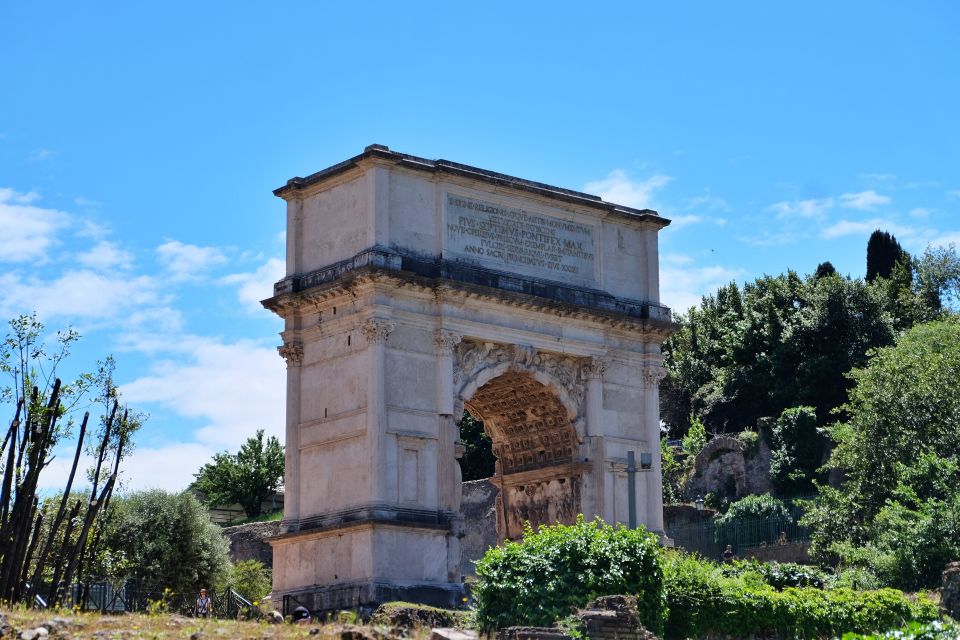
(632, 488)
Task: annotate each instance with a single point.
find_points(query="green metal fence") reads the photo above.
(709, 539)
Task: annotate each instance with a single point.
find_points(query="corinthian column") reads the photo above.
(292, 352)
(593, 370)
(376, 331)
(651, 374)
(450, 476)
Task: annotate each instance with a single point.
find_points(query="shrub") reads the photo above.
(750, 441)
(755, 506)
(696, 438)
(559, 568)
(778, 575)
(857, 578)
(935, 630)
(251, 579)
(702, 601)
(169, 541)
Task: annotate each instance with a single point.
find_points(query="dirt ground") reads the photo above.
(26, 624)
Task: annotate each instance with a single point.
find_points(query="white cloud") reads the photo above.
(77, 294)
(678, 222)
(235, 388)
(712, 203)
(144, 468)
(86, 203)
(864, 200)
(818, 207)
(38, 155)
(955, 193)
(257, 285)
(919, 212)
(878, 177)
(947, 239)
(188, 261)
(106, 255)
(26, 231)
(682, 285)
(911, 236)
(170, 467)
(675, 259)
(619, 188)
(812, 208)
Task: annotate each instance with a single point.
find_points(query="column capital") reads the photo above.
(446, 340)
(376, 330)
(594, 367)
(652, 374)
(292, 352)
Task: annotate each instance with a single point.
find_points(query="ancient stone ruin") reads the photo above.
(417, 289)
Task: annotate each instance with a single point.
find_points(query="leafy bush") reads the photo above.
(910, 538)
(169, 541)
(559, 568)
(696, 438)
(702, 601)
(856, 578)
(671, 473)
(935, 630)
(251, 579)
(778, 575)
(750, 441)
(752, 520)
(756, 506)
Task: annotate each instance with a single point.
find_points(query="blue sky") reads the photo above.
(139, 144)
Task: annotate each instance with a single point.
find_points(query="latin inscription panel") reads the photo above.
(521, 241)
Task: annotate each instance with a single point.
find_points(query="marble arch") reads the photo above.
(415, 288)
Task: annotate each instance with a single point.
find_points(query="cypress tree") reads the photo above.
(883, 253)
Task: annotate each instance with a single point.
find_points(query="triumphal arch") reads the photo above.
(419, 289)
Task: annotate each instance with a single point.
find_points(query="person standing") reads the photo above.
(203, 608)
(728, 554)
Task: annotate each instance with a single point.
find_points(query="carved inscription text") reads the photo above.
(521, 241)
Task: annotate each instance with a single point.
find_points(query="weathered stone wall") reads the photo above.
(249, 541)
(478, 509)
(726, 468)
(682, 515)
(950, 592)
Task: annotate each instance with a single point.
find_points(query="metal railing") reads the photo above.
(710, 539)
(108, 597)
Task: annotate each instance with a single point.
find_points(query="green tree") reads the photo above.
(672, 473)
(478, 461)
(251, 579)
(825, 269)
(898, 509)
(904, 404)
(797, 450)
(696, 438)
(248, 477)
(169, 541)
(883, 253)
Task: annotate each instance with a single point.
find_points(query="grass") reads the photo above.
(264, 517)
(162, 626)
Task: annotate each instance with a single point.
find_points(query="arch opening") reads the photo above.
(535, 446)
